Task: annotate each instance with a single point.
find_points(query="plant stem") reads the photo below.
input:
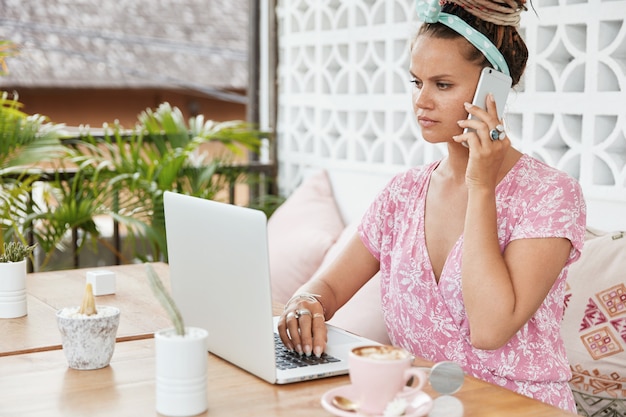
(166, 300)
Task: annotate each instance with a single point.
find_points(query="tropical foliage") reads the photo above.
(123, 174)
(119, 173)
(25, 140)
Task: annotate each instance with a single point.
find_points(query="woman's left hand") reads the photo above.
(486, 153)
(302, 326)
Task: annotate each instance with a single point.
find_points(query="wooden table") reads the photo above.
(37, 382)
(141, 315)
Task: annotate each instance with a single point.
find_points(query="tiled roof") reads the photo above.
(200, 44)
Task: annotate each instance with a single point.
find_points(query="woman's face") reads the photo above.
(442, 81)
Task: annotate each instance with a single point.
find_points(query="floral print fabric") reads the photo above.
(428, 318)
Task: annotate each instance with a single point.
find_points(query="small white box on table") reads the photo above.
(102, 282)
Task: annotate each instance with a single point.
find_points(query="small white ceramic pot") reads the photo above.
(88, 341)
(181, 372)
(13, 289)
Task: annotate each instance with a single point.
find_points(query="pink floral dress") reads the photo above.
(428, 318)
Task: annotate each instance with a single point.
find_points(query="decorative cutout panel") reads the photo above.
(344, 91)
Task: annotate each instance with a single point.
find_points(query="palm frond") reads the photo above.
(25, 139)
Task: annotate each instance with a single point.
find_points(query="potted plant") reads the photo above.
(88, 333)
(13, 279)
(180, 360)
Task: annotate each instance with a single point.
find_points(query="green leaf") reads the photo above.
(166, 300)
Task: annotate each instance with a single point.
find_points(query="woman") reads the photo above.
(474, 249)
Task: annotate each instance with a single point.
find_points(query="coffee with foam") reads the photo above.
(386, 353)
(380, 373)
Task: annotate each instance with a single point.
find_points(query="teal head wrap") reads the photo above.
(429, 11)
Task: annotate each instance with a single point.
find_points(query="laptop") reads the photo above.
(220, 279)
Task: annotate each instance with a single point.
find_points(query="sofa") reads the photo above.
(310, 228)
(308, 231)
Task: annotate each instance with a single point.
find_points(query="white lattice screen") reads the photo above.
(344, 92)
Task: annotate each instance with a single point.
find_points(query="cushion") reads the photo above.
(300, 232)
(362, 314)
(594, 325)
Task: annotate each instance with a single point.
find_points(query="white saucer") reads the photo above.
(348, 392)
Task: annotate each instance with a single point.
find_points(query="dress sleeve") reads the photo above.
(555, 207)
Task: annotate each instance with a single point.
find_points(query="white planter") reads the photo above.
(13, 289)
(88, 341)
(181, 372)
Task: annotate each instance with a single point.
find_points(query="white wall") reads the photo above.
(344, 93)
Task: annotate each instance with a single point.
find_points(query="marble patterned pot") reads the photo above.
(88, 341)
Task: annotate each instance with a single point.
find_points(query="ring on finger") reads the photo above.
(319, 316)
(290, 315)
(497, 133)
(302, 312)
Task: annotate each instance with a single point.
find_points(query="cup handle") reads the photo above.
(419, 380)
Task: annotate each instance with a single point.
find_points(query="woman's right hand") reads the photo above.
(486, 155)
(302, 325)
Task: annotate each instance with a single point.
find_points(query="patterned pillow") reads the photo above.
(594, 325)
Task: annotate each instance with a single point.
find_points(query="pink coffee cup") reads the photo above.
(379, 374)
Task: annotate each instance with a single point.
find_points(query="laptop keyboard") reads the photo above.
(289, 360)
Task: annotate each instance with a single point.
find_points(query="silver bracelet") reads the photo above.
(312, 298)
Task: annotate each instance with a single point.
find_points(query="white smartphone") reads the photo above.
(494, 82)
